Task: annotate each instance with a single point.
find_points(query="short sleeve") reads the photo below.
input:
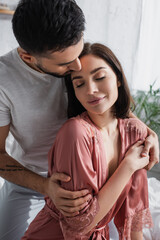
(72, 154)
(5, 117)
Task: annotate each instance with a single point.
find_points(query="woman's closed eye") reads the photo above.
(100, 78)
(79, 85)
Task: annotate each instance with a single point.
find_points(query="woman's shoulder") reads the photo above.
(134, 125)
(77, 127)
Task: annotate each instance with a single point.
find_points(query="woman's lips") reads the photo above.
(95, 101)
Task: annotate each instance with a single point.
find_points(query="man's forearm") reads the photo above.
(151, 145)
(16, 173)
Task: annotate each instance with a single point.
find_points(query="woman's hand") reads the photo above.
(67, 202)
(133, 158)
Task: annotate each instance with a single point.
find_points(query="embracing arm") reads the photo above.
(13, 171)
(151, 146)
(16, 173)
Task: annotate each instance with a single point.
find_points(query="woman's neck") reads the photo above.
(106, 122)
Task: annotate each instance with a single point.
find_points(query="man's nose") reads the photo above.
(76, 65)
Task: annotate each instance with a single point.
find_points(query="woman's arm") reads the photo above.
(109, 194)
(72, 155)
(69, 203)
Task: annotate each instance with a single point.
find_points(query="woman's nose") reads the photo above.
(91, 88)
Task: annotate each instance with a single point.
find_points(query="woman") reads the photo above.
(100, 149)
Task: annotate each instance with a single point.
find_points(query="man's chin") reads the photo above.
(54, 74)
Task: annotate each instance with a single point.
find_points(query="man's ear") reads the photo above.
(26, 57)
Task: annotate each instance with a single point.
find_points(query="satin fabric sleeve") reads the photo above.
(72, 155)
(134, 213)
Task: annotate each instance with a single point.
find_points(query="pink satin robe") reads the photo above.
(79, 152)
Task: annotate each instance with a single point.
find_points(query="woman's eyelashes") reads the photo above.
(78, 83)
(81, 83)
(100, 78)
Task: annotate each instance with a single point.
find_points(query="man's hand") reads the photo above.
(67, 202)
(151, 148)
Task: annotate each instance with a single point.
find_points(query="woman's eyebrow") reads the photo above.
(97, 69)
(92, 72)
(76, 77)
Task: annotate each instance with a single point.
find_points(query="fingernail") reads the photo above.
(144, 154)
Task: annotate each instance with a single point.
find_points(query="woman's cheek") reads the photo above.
(79, 97)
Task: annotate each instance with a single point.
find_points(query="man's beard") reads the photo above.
(54, 74)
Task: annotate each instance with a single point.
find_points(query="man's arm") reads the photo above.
(151, 146)
(68, 202)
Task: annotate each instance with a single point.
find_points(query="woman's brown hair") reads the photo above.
(124, 101)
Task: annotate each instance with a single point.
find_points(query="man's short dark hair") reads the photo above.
(43, 25)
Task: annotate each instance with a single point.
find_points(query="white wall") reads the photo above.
(7, 40)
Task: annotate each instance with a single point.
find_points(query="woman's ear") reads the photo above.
(118, 83)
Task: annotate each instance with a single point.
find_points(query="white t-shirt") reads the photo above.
(35, 105)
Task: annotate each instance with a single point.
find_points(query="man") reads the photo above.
(33, 107)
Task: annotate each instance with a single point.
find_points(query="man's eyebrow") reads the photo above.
(62, 64)
(93, 71)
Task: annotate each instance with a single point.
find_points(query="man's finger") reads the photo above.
(74, 210)
(60, 177)
(151, 164)
(66, 214)
(73, 195)
(76, 202)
